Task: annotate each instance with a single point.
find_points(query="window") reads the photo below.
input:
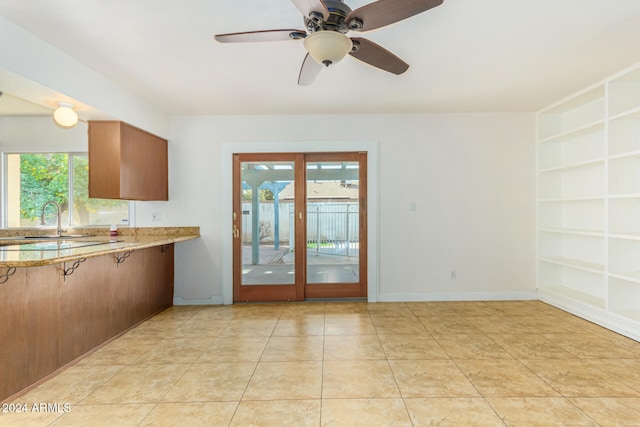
(32, 179)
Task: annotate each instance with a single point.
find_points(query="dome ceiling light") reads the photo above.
(64, 116)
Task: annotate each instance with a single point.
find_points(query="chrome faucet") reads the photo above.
(59, 230)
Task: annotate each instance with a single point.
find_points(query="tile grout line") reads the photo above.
(494, 338)
(254, 370)
(324, 335)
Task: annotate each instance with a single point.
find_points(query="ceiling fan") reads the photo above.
(327, 23)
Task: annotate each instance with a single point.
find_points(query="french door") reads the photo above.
(299, 226)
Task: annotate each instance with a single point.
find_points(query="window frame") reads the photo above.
(4, 182)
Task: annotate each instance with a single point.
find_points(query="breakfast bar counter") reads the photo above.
(37, 250)
(61, 298)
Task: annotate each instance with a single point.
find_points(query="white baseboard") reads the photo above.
(402, 297)
(608, 320)
(457, 296)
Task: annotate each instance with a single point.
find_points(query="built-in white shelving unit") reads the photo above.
(589, 203)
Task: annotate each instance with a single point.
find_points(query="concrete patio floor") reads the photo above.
(276, 267)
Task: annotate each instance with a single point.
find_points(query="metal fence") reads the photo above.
(333, 228)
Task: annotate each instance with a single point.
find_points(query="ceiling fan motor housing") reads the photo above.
(338, 12)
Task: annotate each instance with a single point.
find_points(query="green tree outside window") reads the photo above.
(45, 177)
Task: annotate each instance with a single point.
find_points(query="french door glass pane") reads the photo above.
(267, 223)
(333, 222)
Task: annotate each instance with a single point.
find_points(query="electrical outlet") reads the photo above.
(156, 217)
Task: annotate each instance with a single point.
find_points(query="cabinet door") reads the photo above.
(104, 160)
(143, 168)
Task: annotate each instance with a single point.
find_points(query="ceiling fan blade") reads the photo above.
(308, 6)
(257, 36)
(385, 12)
(373, 54)
(309, 71)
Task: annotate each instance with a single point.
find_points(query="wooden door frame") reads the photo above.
(226, 195)
(345, 290)
(276, 292)
(300, 289)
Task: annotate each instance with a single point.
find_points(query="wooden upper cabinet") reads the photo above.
(126, 162)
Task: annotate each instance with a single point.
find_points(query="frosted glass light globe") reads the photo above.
(64, 116)
(327, 47)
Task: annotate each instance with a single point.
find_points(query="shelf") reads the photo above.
(574, 263)
(624, 296)
(633, 276)
(586, 181)
(624, 93)
(589, 233)
(579, 252)
(563, 291)
(573, 166)
(624, 175)
(572, 115)
(624, 257)
(585, 284)
(625, 236)
(588, 202)
(624, 155)
(623, 196)
(629, 314)
(624, 135)
(584, 215)
(576, 147)
(573, 199)
(633, 113)
(624, 216)
(587, 129)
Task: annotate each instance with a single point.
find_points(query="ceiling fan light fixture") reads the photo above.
(327, 47)
(64, 116)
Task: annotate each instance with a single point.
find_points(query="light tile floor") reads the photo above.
(521, 363)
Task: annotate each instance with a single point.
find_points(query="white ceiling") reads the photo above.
(465, 55)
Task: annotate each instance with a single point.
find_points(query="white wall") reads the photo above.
(40, 134)
(471, 176)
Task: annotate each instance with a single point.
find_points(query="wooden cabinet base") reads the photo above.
(48, 320)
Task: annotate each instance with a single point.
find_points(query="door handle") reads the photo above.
(235, 232)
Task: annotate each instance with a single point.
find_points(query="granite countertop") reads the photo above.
(18, 251)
